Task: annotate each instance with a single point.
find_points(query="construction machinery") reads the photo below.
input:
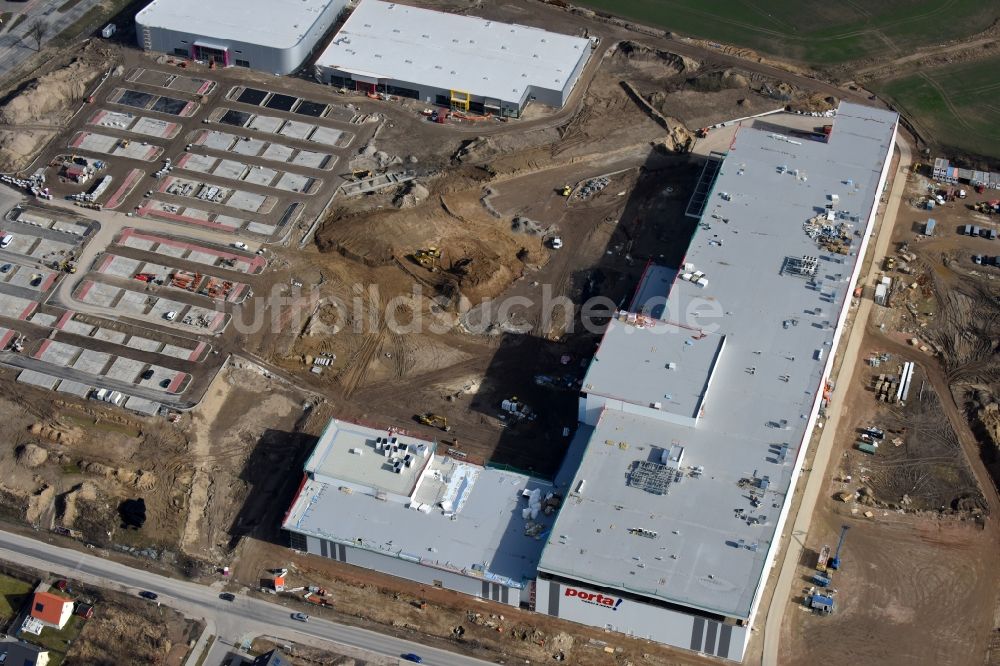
(835, 560)
(566, 190)
(701, 133)
(820, 603)
(434, 420)
(361, 174)
(145, 277)
(428, 258)
(824, 559)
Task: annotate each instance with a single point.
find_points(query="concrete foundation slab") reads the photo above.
(58, 353)
(259, 175)
(248, 146)
(91, 361)
(296, 130)
(293, 182)
(246, 201)
(330, 137)
(267, 124)
(125, 369)
(108, 335)
(39, 379)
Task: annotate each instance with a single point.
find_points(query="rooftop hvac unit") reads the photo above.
(357, 451)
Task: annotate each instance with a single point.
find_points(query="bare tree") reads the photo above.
(37, 32)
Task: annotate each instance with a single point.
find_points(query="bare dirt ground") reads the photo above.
(448, 619)
(126, 630)
(490, 201)
(917, 584)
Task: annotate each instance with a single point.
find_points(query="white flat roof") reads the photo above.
(452, 52)
(465, 518)
(270, 23)
(691, 535)
(347, 452)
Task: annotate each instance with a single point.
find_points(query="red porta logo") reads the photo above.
(594, 598)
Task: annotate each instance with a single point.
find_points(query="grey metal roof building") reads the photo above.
(701, 425)
(458, 61)
(274, 36)
(384, 501)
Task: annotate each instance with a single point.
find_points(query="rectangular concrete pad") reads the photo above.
(196, 162)
(293, 182)
(108, 335)
(246, 201)
(13, 306)
(278, 152)
(313, 160)
(91, 361)
(121, 266)
(155, 127)
(101, 294)
(74, 388)
(326, 135)
(78, 327)
(260, 228)
(39, 379)
(248, 147)
(58, 353)
(268, 124)
(218, 140)
(43, 319)
(145, 344)
(132, 302)
(125, 369)
(258, 175)
(142, 406)
(176, 352)
(230, 169)
(297, 130)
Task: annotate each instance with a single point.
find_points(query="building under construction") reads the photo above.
(268, 36)
(694, 420)
(461, 62)
(698, 408)
(385, 501)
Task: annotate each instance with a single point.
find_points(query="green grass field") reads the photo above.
(819, 33)
(13, 594)
(953, 106)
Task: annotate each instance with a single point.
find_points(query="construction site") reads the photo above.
(282, 252)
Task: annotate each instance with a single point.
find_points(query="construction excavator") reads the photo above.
(428, 258)
(434, 420)
(566, 190)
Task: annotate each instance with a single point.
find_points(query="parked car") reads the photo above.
(227, 596)
(240, 246)
(301, 617)
(146, 594)
(5, 241)
(170, 316)
(409, 656)
(148, 374)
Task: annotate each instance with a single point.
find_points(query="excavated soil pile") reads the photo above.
(43, 101)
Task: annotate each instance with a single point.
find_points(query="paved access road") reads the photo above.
(228, 620)
(821, 458)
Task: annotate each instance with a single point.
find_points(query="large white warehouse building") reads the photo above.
(695, 417)
(274, 36)
(698, 412)
(462, 62)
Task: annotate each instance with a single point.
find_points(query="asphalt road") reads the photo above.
(16, 46)
(228, 620)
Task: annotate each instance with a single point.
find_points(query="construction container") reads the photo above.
(865, 447)
(929, 227)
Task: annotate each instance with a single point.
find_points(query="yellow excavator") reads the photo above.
(428, 258)
(434, 420)
(566, 190)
